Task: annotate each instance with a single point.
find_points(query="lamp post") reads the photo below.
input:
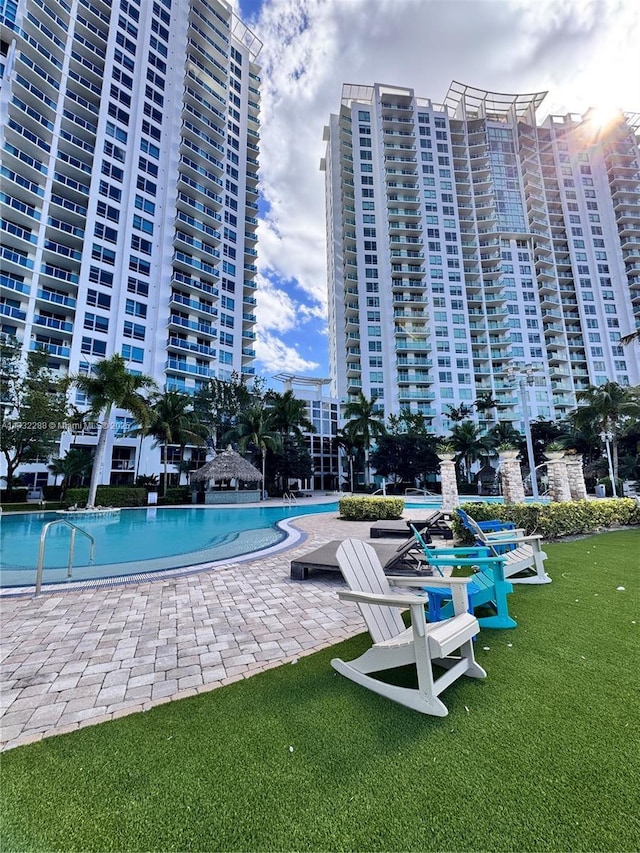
(525, 376)
(606, 436)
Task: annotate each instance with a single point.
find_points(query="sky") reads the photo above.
(583, 52)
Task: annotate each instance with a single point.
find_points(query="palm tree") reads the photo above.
(288, 417)
(173, 421)
(607, 405)
(632, 336)
(254, 428)
(458, 413)
(75, 464)
(365, 425)
(485, 403)
(110, 385)
(469, 443)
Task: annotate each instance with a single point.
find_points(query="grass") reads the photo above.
(25, 507)
(542, 755)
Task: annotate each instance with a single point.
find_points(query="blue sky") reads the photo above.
(583, 52)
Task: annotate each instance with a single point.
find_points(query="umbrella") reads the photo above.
(228, 465)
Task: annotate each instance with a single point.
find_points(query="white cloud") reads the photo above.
(583, 51)
(276, 356)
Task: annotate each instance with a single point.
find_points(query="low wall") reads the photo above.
(232, 497)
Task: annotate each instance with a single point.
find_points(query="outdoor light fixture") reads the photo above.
(525, 375)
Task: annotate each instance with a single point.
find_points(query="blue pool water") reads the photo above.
(140, 540)
(143, 541)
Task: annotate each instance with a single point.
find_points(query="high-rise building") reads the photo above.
(129, 138)
(466, 240)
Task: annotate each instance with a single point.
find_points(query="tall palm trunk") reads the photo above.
(99, 457)
(166, 455)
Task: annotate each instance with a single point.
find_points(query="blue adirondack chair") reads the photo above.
(488, 587)
(492, 525)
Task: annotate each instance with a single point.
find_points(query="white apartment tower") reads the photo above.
(465, 241)
(129, 136)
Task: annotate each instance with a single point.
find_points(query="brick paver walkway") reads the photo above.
(71, 659)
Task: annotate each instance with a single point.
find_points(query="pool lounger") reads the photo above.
(403, 559)
(434, 524)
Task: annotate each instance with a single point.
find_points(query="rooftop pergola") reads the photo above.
(467, 102)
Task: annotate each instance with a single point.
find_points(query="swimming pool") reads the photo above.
(141, 540)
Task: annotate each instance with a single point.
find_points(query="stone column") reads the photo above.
(558, 480)
(575, 473)
(450, 498)
(512, 485)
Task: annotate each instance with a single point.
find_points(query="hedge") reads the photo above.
(554, 520)
(176, 495)
(108, 496)
(370, 509)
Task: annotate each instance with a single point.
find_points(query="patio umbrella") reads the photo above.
(228, 465)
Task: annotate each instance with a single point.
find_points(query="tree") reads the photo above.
(458, 413)
(412, 423)
(608, 406)
(405, 457)
(485, 403)
(219, 404)
(173, 421)
(73, 467)
(110, 385)
(365, 423)
(254, 430)
(469, 443)
(352, 447)
(288, 417)
(32, 408)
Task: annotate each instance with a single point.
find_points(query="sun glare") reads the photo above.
(601, 117)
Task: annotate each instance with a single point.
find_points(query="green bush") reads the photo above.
(606, 482)
(177, 495)
(370, 509)
(16, 496)
(552, 521)
(108, 496)
(52, 493)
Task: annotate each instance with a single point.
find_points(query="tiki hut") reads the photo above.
(229, 465)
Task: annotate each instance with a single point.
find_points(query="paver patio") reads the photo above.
(77, 658)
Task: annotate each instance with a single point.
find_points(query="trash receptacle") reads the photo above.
(601, 491)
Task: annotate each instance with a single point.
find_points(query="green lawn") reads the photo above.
(543, 755)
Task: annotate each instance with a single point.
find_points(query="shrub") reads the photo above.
(108, 496)
(15, 496)
(606, 482)
(555, 520)
(370, 509)
(177, 495)
(51, 493)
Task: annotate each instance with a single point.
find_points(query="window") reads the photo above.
(99, 300)
(95, 322)
(131, 353)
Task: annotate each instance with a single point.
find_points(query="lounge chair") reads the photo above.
(406, 557)
(524, 557)
(422, 644)
(434, 524)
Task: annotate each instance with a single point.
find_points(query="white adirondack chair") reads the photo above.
(422, 644)
(524, 559)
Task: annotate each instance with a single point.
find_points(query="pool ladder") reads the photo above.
(72, 544)
(289, 498)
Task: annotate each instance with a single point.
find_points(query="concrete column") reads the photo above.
(575, 474)
(558, 480)
(450, 498)
(512, 485)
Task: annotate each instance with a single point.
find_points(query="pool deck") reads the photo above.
(77, 658)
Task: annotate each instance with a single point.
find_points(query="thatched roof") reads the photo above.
(228, 465)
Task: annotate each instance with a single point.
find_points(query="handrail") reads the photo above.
(424, 492)
(43, 536)
(289, 497)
